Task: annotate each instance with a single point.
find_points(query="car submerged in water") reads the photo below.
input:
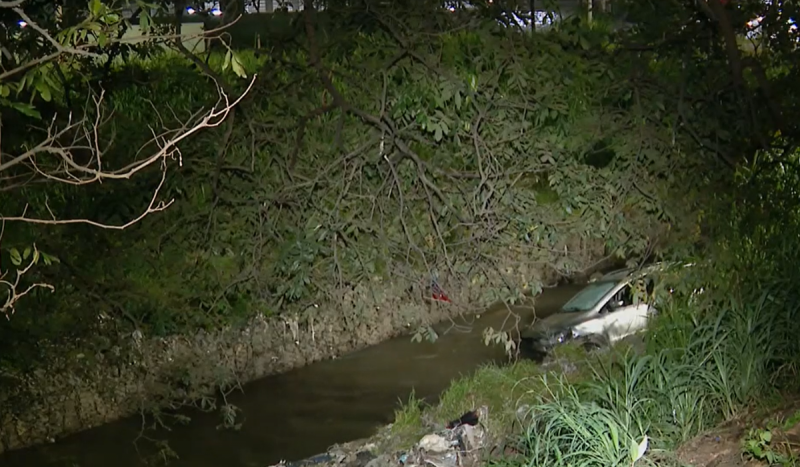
(607, 310)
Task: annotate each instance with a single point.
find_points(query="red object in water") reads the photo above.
(441, 297)
(438, 293)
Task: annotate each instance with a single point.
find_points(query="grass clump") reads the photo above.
(508, 391)
(504, 389)
(408, 424)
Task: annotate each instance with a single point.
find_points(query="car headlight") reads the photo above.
(566, 335)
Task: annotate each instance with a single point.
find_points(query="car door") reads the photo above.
(602, 323)
(627, 314)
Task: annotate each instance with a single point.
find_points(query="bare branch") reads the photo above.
(12, 288)
(11, 3)
(72, 172)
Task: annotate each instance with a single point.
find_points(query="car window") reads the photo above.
(589, 297)
(621, 299)
(625, 296)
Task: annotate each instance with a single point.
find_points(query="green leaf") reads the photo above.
(95, 7)
(26, 253)
(49, 259)
(144, 23)
(4, 90)
(447, 92)
(614, 435)
(44, 91)
(227, 61)
(26, 109)
(237, 67)
(16, 259)
(634, 450)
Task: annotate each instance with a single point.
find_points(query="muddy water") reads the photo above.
(300, 413)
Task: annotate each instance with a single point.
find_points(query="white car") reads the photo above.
(607, 310)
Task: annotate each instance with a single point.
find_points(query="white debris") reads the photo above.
(434, 443)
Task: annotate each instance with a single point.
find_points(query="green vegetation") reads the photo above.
(765, 444)
(712, 357)
(363, 157)
(376, 148)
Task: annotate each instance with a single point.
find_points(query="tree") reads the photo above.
(736, 59)
(54, 114)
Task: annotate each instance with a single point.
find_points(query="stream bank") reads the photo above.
(79, 390)
(145, 374)
(300, 413)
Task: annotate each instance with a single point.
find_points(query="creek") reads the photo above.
(301, 413)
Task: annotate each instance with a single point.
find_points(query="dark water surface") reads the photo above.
(301, 413)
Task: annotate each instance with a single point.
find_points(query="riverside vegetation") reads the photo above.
(379, 146)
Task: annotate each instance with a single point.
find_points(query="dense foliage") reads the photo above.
(408, 149)
(714, 355)
(398, 143)
(394, 144)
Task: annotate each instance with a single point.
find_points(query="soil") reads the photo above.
(723, 446)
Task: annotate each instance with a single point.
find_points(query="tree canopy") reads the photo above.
(353, 144)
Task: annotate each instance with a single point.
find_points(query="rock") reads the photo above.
(363, 458)
(381, 461)
(523, 412)
(434, 443)
(446, 459)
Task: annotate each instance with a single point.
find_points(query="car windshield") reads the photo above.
(587, 298)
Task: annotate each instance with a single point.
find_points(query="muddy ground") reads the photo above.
(727, 444)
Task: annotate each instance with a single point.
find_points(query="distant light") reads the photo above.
(216, 12)
(190, 10)
(22, 24)
(452, 8)
(755, 22)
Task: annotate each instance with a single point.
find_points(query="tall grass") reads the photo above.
(706, 361)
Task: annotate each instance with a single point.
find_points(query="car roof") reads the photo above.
(630, 273)
(616, 275)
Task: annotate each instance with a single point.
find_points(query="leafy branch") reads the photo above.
(11, 287)
(73, 147)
